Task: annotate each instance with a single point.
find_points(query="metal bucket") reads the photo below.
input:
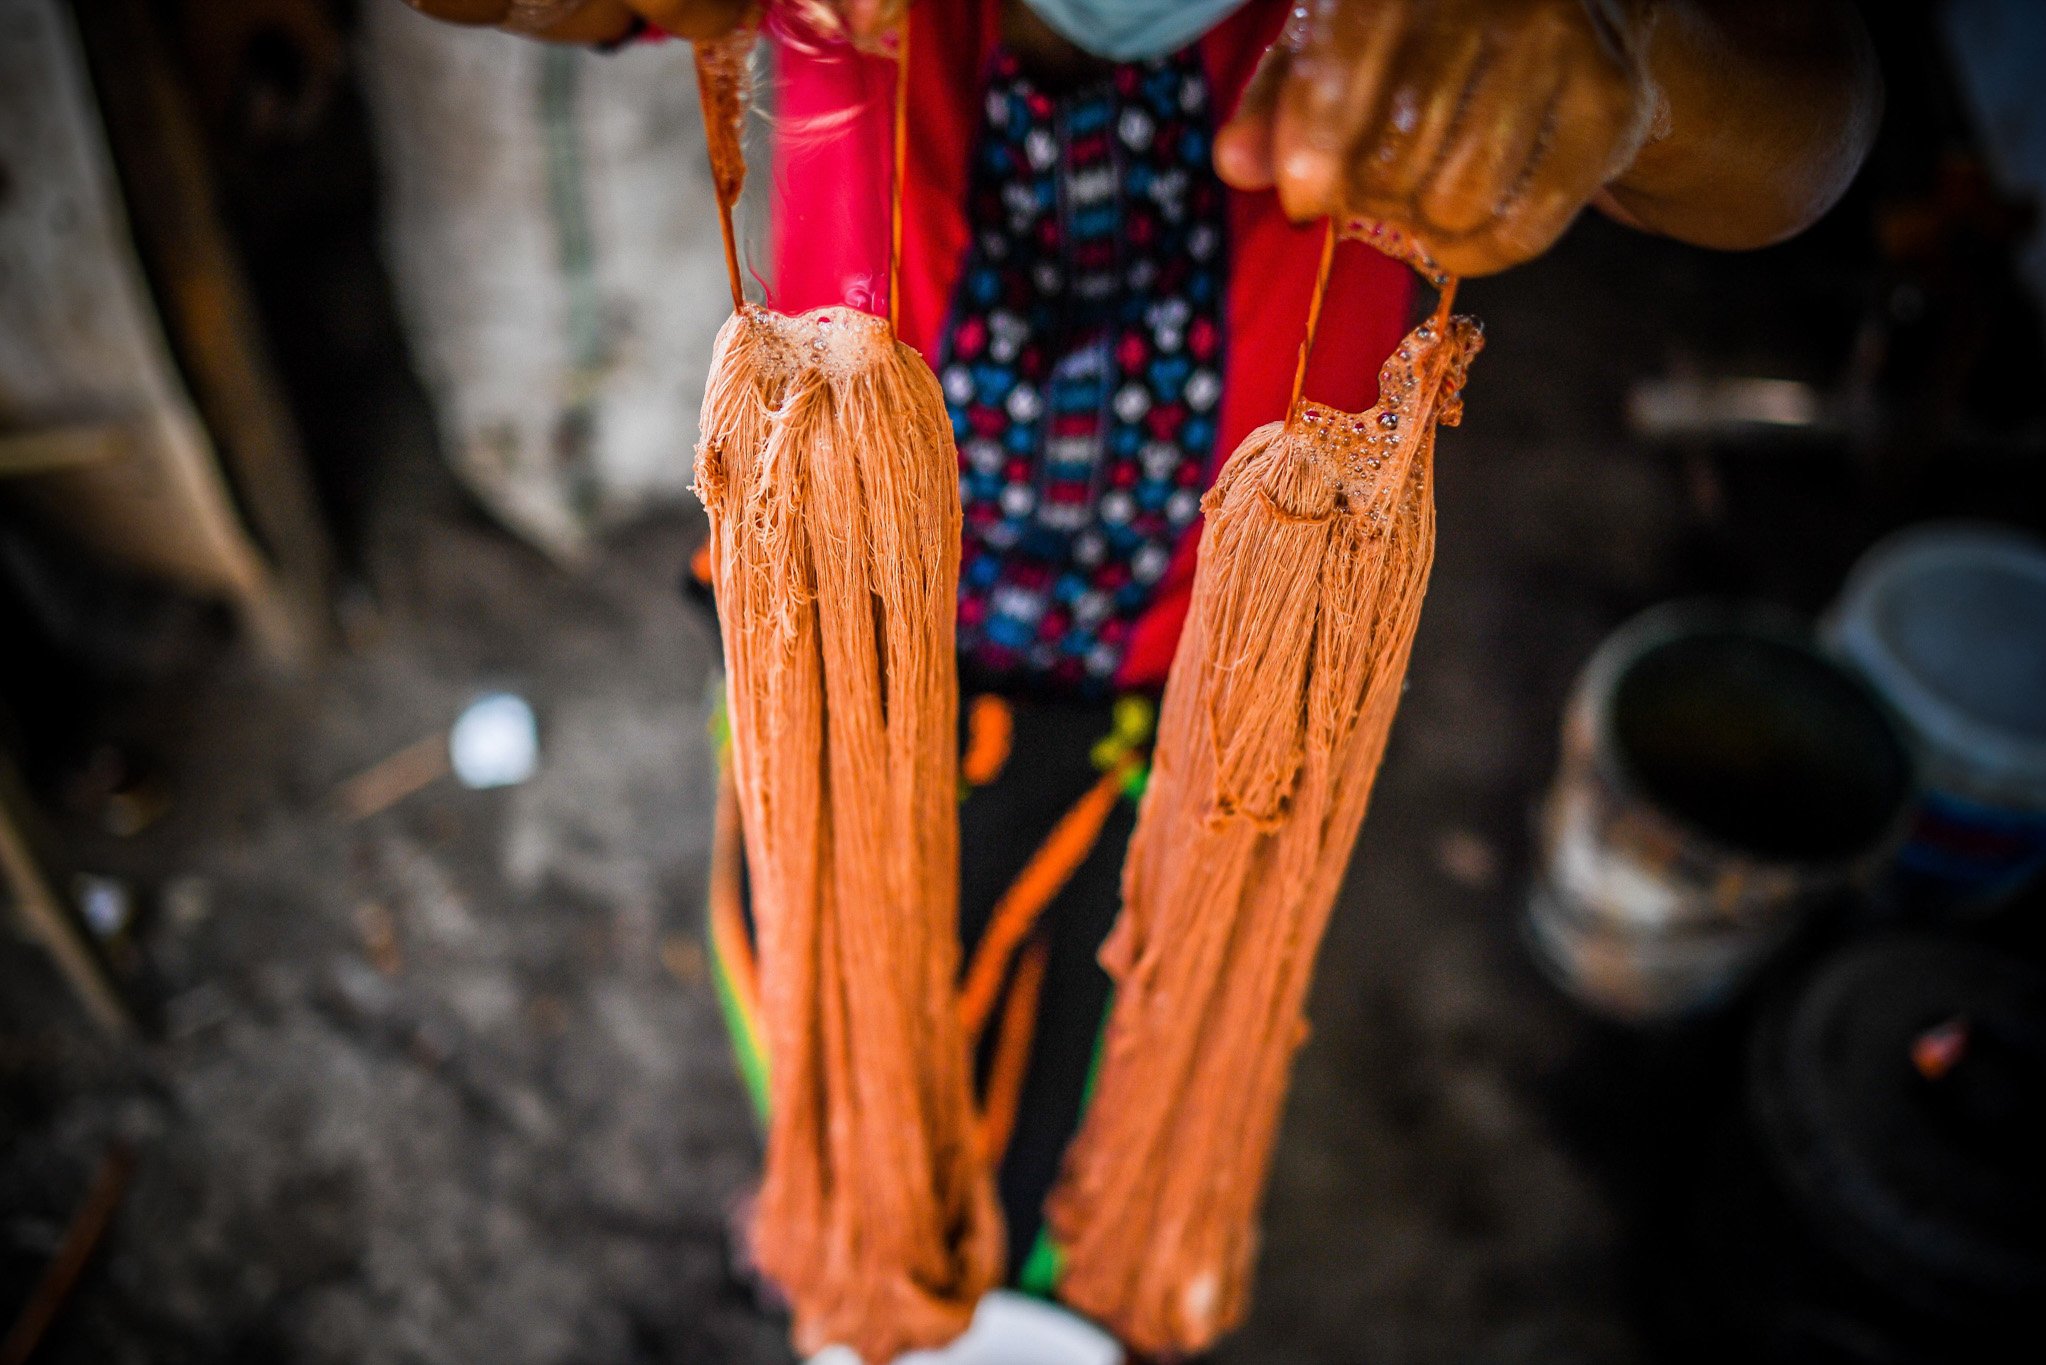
(1720, 778)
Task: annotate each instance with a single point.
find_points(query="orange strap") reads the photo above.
(1011, 1063)
(1041, 879)
(990, 735)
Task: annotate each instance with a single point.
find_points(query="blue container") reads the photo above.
(1948, 624)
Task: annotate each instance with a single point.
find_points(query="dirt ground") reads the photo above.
(448, 1084)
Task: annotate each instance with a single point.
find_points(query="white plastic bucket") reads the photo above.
(1010, 1329)
(1948, 624)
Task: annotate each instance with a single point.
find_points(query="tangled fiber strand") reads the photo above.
(1313, 562)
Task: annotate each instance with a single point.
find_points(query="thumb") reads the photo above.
(1243, 148)
(868, 20)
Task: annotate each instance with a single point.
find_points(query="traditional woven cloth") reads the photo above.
(1082, 362)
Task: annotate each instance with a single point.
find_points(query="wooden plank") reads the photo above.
(80, 342)
(208, 312)
(66, 447)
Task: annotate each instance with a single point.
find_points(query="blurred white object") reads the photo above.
(557, 263)
(495, 742)
(1688, 406)
(1010, 1329)
(105, 903)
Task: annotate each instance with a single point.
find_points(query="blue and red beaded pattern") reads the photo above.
(1082, 362)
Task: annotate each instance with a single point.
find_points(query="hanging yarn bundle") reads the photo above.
(827, 468)
(1313, 561)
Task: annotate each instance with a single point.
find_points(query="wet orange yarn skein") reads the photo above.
(827, 468)
(1313, 561)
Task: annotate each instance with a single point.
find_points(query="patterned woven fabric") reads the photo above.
(1082, 362)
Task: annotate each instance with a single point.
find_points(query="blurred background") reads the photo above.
(355, 787)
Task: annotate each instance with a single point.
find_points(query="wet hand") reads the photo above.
(591, 21)
(1482, 127)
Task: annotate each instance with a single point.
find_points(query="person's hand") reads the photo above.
(1481, 127)
(592, 21)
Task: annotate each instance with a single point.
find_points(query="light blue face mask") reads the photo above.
(1132, 30)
